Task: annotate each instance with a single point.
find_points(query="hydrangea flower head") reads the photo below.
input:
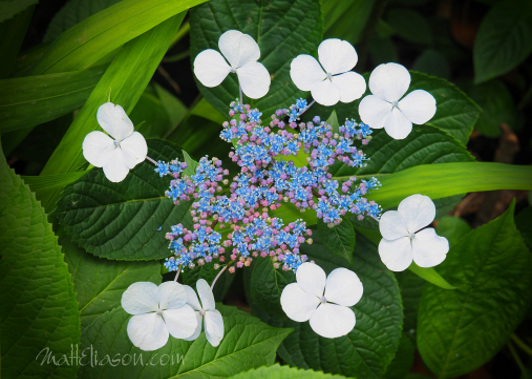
(323, 301)
(404, 241)
(242, 53)
(329, 80)
(158, 311)
(122, 152)
(385, 108)
(206, 313)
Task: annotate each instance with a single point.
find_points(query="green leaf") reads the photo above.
(47, 182)
(340, 239)
(72, 13)
(283, 372)
(410, 25)
(39, 314)
(283, 29)
(247, 343)
(452, 228)
(448, 179)
(209, 273)
(432, 62)
(411, 287)
(92, 39)
(12, 33)
(125, 80)
(431, 276)
(493, 270)
(346, 19)
(174, 108)
(9, 9)
(524, 223)
(497, 104)
(504, 39)
(149, 115)
(99, 283)
(126, 220)
(403, 360)
(368, 349)
(33, 100)
(192, 165)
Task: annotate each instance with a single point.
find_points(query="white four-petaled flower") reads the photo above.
(330, 80)
(403, 241)
(242, 53)
(385, 109)
(119, 154)
(157, 312)
(206, 313)
(323, 301)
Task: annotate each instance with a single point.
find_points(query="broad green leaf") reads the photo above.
(192, 165)
(126, 220)
(72, 13)
(432, 62)
(38, 313)
(204, 109)
(99, 283)
(283, 372)
(125, 80)
(247, 343)
(504, 39)
(33, 100)
(47, 182)
(448, 179)
(431, 276)
(411, 287)
(382, 50)
(497, 104)
(403, 360)
(452, 228)
(282, 28)
(493, 270)
(524, 223)
(410, 25)
(175, 109)
(149, 116)
(340, 239)
(346, 19)
(368, 349)
(9, 9)
(92, 39)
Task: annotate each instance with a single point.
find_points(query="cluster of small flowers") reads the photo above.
(259, 151)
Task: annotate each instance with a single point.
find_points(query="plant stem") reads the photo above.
(220, 273)
(519, 342)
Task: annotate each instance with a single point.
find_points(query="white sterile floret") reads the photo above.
(323, 301)
(157, 312)
(206, 312)
(122, 152)
(242, 53)
(385, 109)
(404, 241)
(329, 80)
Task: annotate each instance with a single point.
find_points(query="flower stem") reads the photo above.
(240, 92)
(220, 274)
(519, 342)
(308, 106)
(516, 357)
(151, 160)
(177, 273)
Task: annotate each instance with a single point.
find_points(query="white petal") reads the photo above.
(332, 321)
(134, 149)
(211, 68)
(238, 48)
(374, 111)
(343, 287)
(429, 248)
(397, 254)
(214, 327)
(418, 212)
(147, 332)
(418, 106)
(397, 125)
(392, 226)
(171, 295)
(311, 278)
(254, 80)
(351, 85)
(140, 297)
(389, 81)
(298, 304)
(199, 319)
(98, 148)
(113, 119)
(305, 71)
(205, 294)
(325, 93)
(192, 298)
(181, 322)
(116, 169)
(337, 56)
